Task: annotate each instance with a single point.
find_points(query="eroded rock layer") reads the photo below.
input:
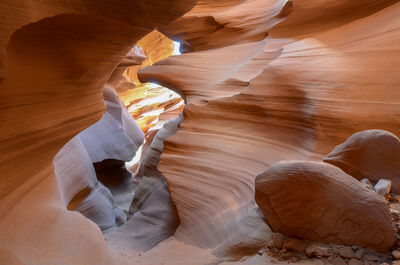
(293, 98)
(258, 92)
(58, 56)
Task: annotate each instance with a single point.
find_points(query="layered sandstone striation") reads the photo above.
(58, 56)
(294, 98)
(264, 81)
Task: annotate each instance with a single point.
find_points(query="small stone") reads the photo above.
(297, 245)
(367, 183)
(339, 261)
(294, 259)
(370, 257)
(318, 250)
(260, 252)
(287, 255)
(275, 250)
(335, 249)
(395, 214)
(346, 252)
(359, 254)
(383, 187)
(283, 250)
(396, 262)
(278, 240)
(355, 262)
(396, 254)
(270, 244)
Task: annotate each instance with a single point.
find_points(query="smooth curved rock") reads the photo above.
(308, 16)
(115, 136)
(58, 55)
(319, 202)
(153, 214)
(371, 154)
(300, 98)
(211, 25)
(294, 98)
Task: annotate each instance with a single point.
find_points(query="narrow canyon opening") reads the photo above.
(135, 113)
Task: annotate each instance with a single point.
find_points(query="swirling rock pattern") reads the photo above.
(153, 215)
(302, 96)
(58, 57)
(115, 136)
(329, 72)
(319, 202)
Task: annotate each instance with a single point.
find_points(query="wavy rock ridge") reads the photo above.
(288, 98)
(54, 101)
(257, 92)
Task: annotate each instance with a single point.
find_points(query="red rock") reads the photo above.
(319, 202)
(372, 154)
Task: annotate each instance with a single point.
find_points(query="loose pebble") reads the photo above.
(396, 254)
(359, 254)
(295, 245)
(339, 261)
(383, 187)
(367, 183)
(318, 250)
(278, 240)
(346, 252)
(355, 262)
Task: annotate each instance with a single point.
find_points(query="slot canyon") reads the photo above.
(199, 132)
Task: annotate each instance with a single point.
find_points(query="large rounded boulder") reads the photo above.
(319, 202)
(372, 154)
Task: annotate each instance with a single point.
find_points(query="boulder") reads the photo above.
(371, 154)
(319, 202)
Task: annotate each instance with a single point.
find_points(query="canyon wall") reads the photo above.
(289, 96)
(56, 56)
(263, 81)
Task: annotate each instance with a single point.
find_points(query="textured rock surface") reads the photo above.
(319, 202)
(301, 96)
(329, 71)
(65, 52)
(154, 217)
(372, 154)
(115, 136)
(214, 24)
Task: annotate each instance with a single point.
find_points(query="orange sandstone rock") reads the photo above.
(319, 202)
(371, 154)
